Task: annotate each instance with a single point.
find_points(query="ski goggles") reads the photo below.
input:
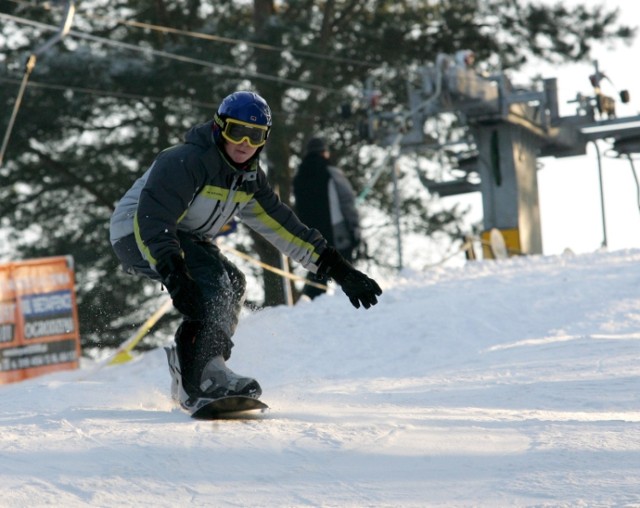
(237, 131)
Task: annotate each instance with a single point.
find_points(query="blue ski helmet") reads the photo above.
(246, 108)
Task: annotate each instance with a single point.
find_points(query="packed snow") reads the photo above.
(510, 383)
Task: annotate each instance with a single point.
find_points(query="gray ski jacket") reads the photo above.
(192, 187)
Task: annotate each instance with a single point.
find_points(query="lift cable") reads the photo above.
(216, 38)
(165, 54)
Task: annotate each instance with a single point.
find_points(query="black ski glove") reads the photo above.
(356, 285)
(185, 293)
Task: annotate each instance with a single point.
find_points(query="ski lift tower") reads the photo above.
(511, 128)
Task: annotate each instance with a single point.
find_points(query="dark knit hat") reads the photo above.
(316, 145)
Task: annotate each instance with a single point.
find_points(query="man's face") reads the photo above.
(239, 153)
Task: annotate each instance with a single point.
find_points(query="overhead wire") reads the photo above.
(165, 54)
(215, 38)
(131, 96)
(257, 45)
(104, 93)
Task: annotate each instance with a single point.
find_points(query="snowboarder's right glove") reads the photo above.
(184, 291)
(356, 285)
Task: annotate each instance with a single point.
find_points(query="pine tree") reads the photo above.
(132, 77)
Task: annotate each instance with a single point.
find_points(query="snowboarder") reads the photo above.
(325, 201)
(163, 228)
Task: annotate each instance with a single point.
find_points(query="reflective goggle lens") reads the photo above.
(236, 132)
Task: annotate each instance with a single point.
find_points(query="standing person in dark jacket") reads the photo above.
(164, 225)
(325, 201)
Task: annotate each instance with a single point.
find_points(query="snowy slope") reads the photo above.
(513, 383)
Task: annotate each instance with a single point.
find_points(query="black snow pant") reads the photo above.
(223, 288)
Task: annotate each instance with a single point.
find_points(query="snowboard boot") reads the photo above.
(218, 380)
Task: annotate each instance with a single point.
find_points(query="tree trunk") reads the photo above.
(277, 148)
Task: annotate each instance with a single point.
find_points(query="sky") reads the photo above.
(569, 188)
(511, 383)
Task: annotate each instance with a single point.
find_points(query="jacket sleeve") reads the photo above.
(173, 182)
(277, 223)
(347, 201)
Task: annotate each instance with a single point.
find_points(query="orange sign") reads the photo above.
(38, 318)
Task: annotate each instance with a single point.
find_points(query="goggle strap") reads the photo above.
(219, 121)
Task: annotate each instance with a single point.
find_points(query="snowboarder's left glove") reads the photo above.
(356, 285)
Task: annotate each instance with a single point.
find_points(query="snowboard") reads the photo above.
(225, 407)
